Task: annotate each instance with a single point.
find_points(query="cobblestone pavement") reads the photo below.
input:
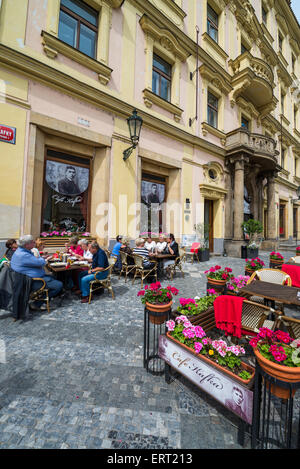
(74, 378)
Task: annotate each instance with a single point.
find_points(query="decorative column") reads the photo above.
(271, 215)
(228, 204)
(238, 199)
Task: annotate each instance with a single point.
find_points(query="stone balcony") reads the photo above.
(259, 148)
(253, 80)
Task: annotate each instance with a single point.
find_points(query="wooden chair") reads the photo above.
(42, 294)
(291, 325)
(96, 284)
(108, 252)
(126, 268)
(177, 263)
(141, 270)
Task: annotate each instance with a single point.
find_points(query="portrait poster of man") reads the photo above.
(152, 195)
(67, 179)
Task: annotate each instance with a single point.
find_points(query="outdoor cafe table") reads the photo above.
(272, 292)
(160, 262)
(61, 271)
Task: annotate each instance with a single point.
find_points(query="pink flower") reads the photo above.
(170, 325)
(198, 347)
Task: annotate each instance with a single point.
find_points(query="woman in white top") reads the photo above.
(149, 244)
(87, 255)
(161, 245)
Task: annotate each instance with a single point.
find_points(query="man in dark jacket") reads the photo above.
(99, 264)
(14, 292)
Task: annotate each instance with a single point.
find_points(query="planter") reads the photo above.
(230, 292)
(218, 285)
(249, 271)
(281, 372)
(276, 263)
(243, 252)
(210, 362)
(203, 255)
(252, 253)
(158, 313)
(206, 319)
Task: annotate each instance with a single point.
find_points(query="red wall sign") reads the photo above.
(7, 134)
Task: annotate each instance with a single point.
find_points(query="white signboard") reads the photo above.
(221, 387)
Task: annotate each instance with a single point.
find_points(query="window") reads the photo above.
(295, 117)
(66, 192)
(161, 78)
(282, 98)
(153, 194)
(280, 40)
(245, 123)
(212, 23)
(282, 158)
(212, 110)
(293, 63)
(243, 48)
(264, 15)
(78, 26)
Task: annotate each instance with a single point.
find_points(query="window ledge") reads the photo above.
(267, 33)
(297, 133)
(52, 46)
(283, 59)
(206, 128)
(207, 39)
(151, 98)
(284, 120)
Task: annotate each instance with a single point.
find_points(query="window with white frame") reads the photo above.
(212, 109)
(212, 23)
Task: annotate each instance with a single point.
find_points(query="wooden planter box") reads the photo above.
(275, 264)
(209, 377)
(206, 319)
(60, 241)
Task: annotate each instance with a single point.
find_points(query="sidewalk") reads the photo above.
(74, 378)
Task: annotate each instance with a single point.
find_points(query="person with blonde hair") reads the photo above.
(142, 251)
(161, 244)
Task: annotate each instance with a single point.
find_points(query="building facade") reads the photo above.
(216, 84)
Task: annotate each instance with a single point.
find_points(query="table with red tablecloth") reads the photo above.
(294, 272)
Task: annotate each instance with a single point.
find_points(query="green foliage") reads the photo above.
(252, 227)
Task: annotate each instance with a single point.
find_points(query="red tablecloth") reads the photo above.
(228, 314)
(195, 247)
(294, 272)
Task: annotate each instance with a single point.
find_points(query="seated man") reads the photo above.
(99, 263)
(24, 262)
(142, 251)
(173, 250)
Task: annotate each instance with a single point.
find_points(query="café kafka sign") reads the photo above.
(7, 134)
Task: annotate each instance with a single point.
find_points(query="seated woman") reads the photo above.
(99, 263)
(161, 244)
(125, 247)
(172, 248)
(150, 244)
(39, 247)
(116, 248)
(73, 247)
(142, 251)
(11, 247)
(87, 255)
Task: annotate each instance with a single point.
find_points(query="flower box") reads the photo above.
(206, 319)
(276, 260)
(224, 386)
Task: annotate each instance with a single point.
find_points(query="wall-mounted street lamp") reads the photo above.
(135, 123)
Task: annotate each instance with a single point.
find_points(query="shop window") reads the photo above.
(78, 26)
(212, 110)
(66, 193)
(153, 194)
(212, 23)
(161, 78)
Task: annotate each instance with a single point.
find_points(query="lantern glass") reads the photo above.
(134, 124)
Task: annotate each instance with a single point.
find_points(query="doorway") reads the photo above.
(282, 233)
(209, 220)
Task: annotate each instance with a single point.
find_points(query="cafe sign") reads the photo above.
(235, 397)
(7, 134)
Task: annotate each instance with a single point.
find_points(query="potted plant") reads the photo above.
(214, 352)
(276, 260)
(217, 277)
(197, 309)
(252, 228)
(252, 265)
(298, 251)
(235, 283)
(279, 355)
(158, 301)
(202, 230)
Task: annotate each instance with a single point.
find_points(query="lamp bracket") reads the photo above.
(127, 152)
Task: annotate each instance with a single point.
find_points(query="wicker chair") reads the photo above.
(177, 263)
(126, 268)
(295, 259)
(42, 294)
(292, 325)
(272, 276)
(141, 270)
(96, 284)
